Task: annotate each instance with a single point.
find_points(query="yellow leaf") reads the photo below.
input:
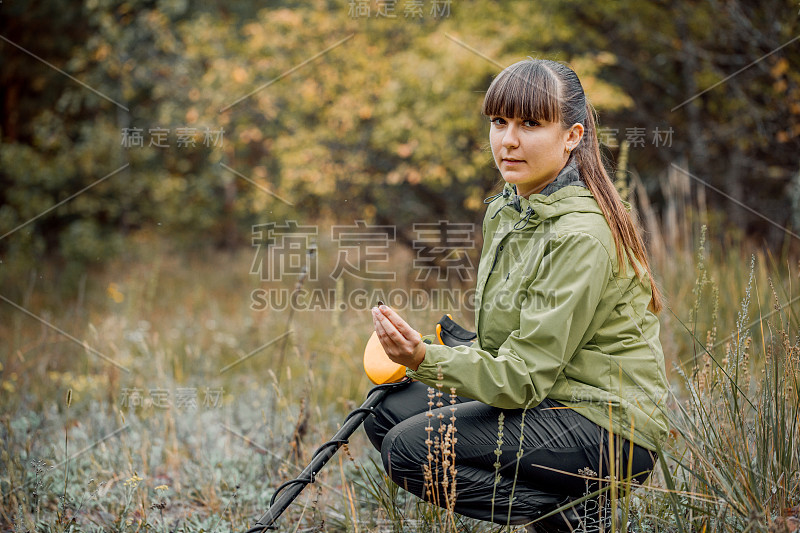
(114, 293)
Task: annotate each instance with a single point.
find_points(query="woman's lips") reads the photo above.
(513, 162)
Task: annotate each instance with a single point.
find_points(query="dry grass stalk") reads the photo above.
(300, 430)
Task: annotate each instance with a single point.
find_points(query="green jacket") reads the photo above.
(556, 318)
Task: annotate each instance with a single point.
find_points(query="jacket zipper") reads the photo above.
(494, 262)
(496, 255)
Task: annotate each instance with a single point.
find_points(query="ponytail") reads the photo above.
(626, 232)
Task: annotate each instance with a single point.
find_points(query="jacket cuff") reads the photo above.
(428, 368)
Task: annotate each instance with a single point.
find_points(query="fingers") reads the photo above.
(396, 336)
(378, 320)
(402, 343)
(395, 322)
(387, 331)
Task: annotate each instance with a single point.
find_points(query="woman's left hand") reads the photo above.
(402, 343)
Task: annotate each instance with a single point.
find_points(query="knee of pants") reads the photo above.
(374, 432)
(403, 454)
(378, 424)
(646, 463)
(394, 408)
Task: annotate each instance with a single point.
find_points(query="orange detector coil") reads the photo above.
(379, 368)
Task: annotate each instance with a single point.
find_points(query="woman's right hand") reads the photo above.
(402, 343)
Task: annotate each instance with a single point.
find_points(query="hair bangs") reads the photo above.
(526, 90)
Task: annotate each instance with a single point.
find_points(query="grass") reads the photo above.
(165, 441)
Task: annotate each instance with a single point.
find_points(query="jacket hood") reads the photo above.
(509, 206)
(538, 207)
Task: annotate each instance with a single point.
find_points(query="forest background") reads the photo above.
(174, 172)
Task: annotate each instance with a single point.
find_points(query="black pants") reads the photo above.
(555, 437)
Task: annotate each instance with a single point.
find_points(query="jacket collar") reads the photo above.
(568, 194)
(568, 175)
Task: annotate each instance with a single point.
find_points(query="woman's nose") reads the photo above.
(510, 137)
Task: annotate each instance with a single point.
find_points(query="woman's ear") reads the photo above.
(574, 136)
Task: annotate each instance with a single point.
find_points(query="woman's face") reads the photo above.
(530, 154)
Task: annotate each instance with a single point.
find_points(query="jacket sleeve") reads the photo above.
(559, 306)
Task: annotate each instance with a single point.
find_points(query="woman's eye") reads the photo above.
(530, 123)
(497, 121)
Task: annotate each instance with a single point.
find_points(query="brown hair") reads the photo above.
(540, 89)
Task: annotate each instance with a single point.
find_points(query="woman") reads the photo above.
(567, 346)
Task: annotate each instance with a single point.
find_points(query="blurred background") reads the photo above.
(150, 151)
(385, 126)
